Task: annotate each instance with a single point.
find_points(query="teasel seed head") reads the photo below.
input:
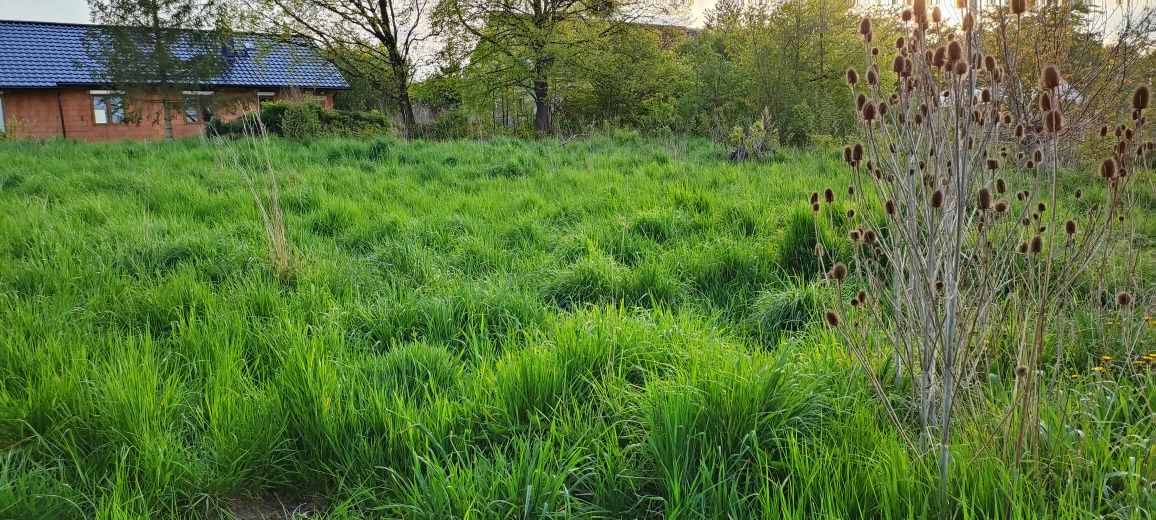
(857, 152)
(1000, 186)
(854, 302)
(898, 64)
(872, 77)
(983, 200)
(905, 15)
(968, 22)
(838, 272)
(1070, 227)
(1000, 206)
(1038, 156)
(847, 154)
(1108, 168)
(829, 195)
(865, 27)
(989, 62)
(1079, 194)
(831, 317)
(1054, 122)
(814, 197)
(819, 251)
(1103, 130)
(1124, 299)
(993, 164)
(1021, 370)
(889, 207)
(869, 111)
(936, 15)
(954, 51)
(860, 100)
(1045, 102)
(862, 295)
(1023, 248)
(869, 236)
(850, 190)
(1019, 130)
(919, 8)
(852, 76)
(815, 207)
(1036, 245)
(1050, 78)
(1019, 6)
(1140, 98)
(937, 199)
(985, 96)
(940, 57)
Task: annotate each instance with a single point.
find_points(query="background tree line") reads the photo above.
(476, 68)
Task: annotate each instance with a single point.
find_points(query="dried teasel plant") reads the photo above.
(252, 158)
(960, 262)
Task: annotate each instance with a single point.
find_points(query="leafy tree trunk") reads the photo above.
(167, 114)
(542, 107)
(408, 122)
(540, 87)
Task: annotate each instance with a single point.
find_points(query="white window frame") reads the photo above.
(1, 111)
(108, 96)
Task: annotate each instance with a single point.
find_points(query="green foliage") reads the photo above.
(300, 122)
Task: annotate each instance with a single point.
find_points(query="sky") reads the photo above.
(74, 11)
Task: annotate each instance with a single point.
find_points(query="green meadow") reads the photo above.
(610, 327)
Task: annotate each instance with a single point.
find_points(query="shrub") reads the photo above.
(304, 121)
(301, 122)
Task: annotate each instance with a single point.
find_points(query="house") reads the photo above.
(47, 88)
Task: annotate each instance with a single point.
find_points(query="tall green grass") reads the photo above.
(499, 329)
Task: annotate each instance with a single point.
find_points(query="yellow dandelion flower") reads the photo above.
(1097, 369)
(1106, 357)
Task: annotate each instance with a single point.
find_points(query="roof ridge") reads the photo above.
(99, 25)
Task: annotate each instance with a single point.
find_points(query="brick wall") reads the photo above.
(37, 114)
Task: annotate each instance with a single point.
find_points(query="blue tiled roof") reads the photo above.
(45, 55)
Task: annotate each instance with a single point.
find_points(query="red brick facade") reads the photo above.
(68, 112)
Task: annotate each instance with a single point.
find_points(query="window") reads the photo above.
(107, 109)
(263, 97)
(197, 108)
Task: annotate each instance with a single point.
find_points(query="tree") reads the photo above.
(154, 51)
(520, 42)
(376, 41)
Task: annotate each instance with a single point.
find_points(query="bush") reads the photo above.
(304, 121)
(301, 122)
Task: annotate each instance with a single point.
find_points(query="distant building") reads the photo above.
(47, 88)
